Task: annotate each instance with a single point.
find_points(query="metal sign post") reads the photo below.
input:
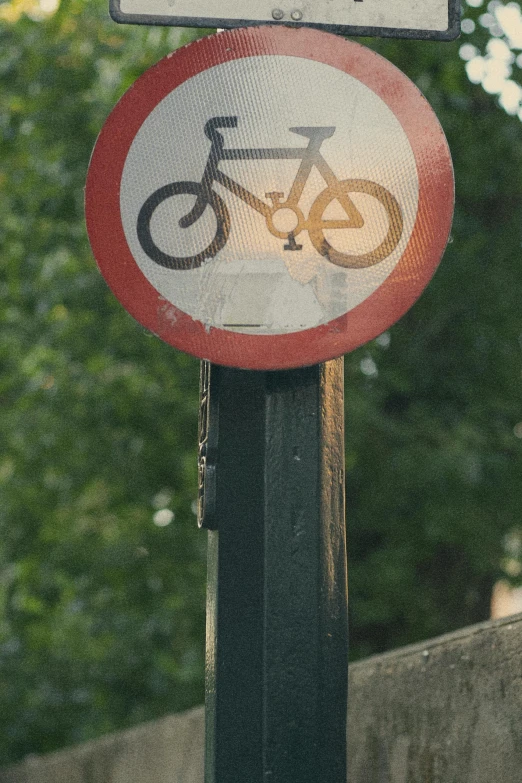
(272, 459)
(268, 199)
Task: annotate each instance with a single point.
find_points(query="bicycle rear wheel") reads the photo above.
(181, 262)
(319, 225)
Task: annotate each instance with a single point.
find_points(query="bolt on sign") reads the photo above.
(269, 197)
(428, 19)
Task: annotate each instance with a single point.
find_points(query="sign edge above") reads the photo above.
(450, 34)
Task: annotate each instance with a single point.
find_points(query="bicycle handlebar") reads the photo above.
(213, 124)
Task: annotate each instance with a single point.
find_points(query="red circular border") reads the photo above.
(311, 346)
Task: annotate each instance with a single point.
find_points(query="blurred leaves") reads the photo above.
(433, 423)
(102, 611)
(101, 608)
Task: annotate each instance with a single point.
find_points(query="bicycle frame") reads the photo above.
(309, 157)
(315, 223)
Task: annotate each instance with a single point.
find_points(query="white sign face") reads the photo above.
(433, 19)
(254, 284)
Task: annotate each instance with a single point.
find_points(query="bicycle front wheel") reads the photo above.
(160, 197)
(341, 191)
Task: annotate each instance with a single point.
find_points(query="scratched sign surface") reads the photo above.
(432, 19)
(270, 210)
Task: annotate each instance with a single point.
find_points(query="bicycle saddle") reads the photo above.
(314, 133)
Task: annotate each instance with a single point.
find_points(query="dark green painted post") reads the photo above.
(277, 648)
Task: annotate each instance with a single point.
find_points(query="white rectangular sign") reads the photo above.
(428, 19)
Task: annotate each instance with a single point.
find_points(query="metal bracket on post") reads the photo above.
(277, 647)
(207, 448)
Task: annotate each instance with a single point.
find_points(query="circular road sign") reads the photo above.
(269, 198)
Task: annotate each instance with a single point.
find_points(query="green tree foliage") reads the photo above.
(101, 609)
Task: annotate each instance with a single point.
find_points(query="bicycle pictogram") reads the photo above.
(316, 224)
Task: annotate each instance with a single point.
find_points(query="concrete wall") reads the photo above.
(169, 750)
(447, 711)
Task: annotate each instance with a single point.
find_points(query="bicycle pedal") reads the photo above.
(292, 246)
